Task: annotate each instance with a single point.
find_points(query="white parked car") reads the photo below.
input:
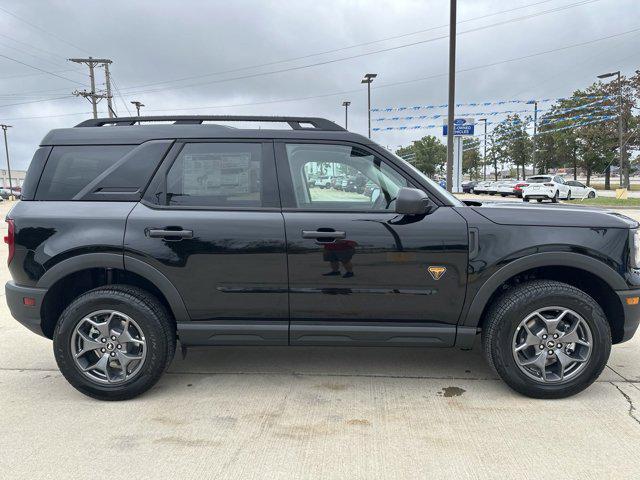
(546, 187)
(508, 187)
(580, 190)
(492, 188)
(481, 187)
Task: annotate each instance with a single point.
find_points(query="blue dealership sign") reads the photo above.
(461, 126)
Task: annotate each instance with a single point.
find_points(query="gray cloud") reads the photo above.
(155, 41)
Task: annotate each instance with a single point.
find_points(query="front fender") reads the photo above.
(536, 260)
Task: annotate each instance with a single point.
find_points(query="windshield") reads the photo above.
(442, 191)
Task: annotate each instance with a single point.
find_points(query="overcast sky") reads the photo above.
(156, 44)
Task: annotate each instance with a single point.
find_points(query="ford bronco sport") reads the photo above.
(134, 233)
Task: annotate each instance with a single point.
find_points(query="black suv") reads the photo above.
(134, 233)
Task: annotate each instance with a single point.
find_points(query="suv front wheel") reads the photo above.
(547, 339)
(114, 342)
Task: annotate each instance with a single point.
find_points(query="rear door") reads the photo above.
(358, 272)
(211, 223)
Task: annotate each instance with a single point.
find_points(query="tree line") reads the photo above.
(579, 133)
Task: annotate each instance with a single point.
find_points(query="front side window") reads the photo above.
(341, 177)
(217, 175)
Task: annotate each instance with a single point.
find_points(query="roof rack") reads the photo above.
(296, 123)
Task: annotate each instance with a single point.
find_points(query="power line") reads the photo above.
(49, 116)
(60, 39)
(22, 75)
(388, 49)
(340, 49)
(36, 101)
(39, 69)
(115, 86)
(403, 82)
(383, 85)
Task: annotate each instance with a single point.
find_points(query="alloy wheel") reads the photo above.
(108, 347)
(552, 345)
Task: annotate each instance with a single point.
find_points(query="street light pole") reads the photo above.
(484, 155)
(452, 92)
(368, 79)
(346, 114)
(620, 135)
(6, 149)
(138, 105)
(535, 138)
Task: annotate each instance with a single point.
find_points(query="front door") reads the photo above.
(359, 272)
(211, 223)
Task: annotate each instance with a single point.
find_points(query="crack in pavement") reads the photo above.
(632, 407)
(632, 382)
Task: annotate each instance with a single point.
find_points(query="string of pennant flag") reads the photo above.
(488, 114)
(487, 104)
(582, 124)
(593, 118)
(592, 105)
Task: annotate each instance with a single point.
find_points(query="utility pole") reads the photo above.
(368, 79)
(138, 105)
(6, 149)
(107, 77)
(452, 92)
(93, 96)
(620, 135)
(484, 155)
(346, 114)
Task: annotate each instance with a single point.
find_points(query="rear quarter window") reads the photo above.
(69, 169)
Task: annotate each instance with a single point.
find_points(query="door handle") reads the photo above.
(323, 234)
(161, 233)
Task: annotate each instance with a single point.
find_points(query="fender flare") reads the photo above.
(119, 261)
(552, 259)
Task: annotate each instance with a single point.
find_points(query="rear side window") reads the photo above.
(33, 174)
(70, 169)
(217, 175)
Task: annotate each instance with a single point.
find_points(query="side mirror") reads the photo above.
(411, 201)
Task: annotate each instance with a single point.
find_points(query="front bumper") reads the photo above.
(631, 314)
(27, 315)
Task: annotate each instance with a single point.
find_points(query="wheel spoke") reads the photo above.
(125, 335)
(572, 336)
(125, 359)
(88, 344)
(539, 361)
(100, 365)
(102, 327)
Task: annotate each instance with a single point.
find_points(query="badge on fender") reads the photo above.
(437, 272)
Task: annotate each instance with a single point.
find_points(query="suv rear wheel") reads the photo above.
(114, 342)
(547, 339)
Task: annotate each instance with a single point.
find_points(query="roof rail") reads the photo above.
(296, 123)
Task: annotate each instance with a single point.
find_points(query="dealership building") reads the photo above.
(17, 178)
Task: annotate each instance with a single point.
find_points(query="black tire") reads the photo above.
(525, 199)
(513, 306)
(152, 317)
(554, 199)
(591, 195)
(539, 200)
(569, 195)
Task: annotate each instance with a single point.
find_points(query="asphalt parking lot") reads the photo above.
(272, 413)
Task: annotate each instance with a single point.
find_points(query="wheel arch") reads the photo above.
(588, 274)
(71, 277)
